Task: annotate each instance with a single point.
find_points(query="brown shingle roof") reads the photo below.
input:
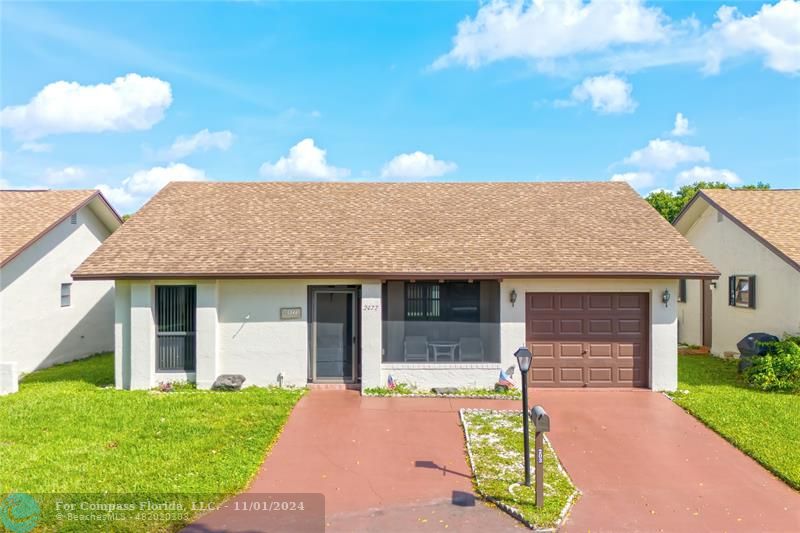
(772, 216)
(27, 215)
(395, 229)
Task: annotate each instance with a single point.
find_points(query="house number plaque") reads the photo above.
(291, 313)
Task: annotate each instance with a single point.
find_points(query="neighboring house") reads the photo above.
(45, 316)
(753, 238)
(435, 284)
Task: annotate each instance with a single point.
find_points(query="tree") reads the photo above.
(670, 203)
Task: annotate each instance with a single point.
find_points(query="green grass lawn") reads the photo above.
(496, 445)
(764, 425)
(68, 431)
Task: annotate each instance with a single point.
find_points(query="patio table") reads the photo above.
(443, 350)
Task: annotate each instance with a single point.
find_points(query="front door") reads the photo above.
(334, 334)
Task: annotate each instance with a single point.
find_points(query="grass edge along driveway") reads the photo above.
(68, 430)
(764, 425)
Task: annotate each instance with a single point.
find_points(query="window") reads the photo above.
(66, 294)
(175, 328)
(452, 301)
(682, 291)
(742, 291)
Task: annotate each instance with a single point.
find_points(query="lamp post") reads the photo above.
(524, 356)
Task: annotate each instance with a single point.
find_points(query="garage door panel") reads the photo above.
(628, 325)
(571, 376)
(601, 375)
(541, 302)
(600, 326)
(570, 350)
(630, 302)
(570, 327)
(588, 339)
(543, 350)
(544, 375)
(600, 302)
(597, 350)
(570, 302)
(542, 326)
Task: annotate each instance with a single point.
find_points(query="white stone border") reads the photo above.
(433, 395)
(505, 507)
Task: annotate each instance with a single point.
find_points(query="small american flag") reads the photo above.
(390, 383)
(504, 379)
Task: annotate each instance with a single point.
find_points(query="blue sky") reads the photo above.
(128, 96)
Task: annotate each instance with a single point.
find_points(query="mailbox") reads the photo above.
(540, 419)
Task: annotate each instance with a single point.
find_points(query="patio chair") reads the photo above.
(415, 348)
(470, 349)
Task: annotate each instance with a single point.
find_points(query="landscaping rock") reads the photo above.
(228, 382)
(444, 390)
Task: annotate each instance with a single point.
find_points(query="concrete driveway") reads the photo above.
(398, 464)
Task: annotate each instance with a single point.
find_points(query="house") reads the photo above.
(46, 317)
(435, 284)
(753, 238)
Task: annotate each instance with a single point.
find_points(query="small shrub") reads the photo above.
(779, 370)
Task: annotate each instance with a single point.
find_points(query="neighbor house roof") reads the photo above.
(27, 215)
(385, 230)
(770, 216)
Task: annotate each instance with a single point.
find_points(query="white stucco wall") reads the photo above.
(735, 252)
(249, 337)
(35, 331)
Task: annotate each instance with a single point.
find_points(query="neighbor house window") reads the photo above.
(682, 291)
(175, 328)
(742, 291)
(66, 294)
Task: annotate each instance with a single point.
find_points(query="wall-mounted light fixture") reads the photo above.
(665, 297)
(513, 297)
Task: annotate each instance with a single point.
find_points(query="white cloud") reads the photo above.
(666, 154)
(151, 181)
(64, 175)
(774, 32)
(608, 94)
(118, 196)
(582, 36)
(416, 165)
(636, 180)
(140, 185)
(543, 30)
(203, 140)
(304, 161)
(707, 174)
(130, 102)
(35, 147)
(681, 127)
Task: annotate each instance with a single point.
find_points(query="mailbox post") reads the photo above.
(541, 424)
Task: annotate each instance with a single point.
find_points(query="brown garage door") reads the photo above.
(588, 339)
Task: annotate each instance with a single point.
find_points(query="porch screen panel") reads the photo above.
(175, 328)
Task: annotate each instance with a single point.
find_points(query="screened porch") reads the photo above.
(441, 321)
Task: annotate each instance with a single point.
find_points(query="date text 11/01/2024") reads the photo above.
(251, 505)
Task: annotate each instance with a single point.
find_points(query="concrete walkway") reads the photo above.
(398, 464)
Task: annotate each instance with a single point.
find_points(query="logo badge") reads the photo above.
(19, 513)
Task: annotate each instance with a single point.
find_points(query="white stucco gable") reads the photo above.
(37, 327)
(735, 251)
